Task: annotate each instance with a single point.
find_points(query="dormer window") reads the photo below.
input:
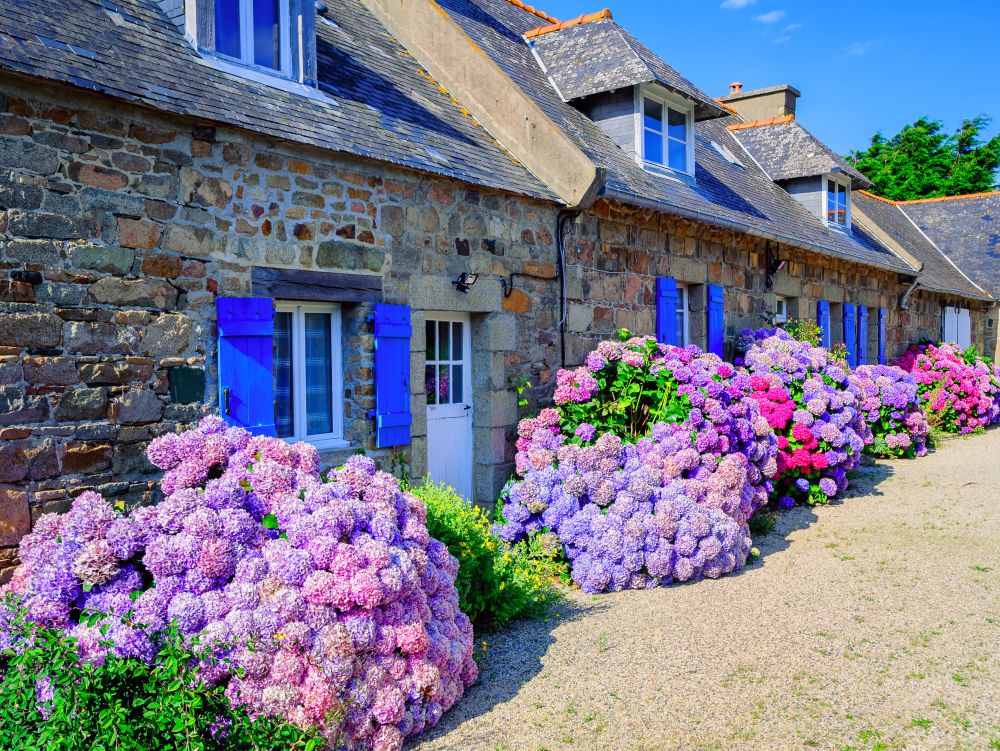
(253, 32)
(667, 133)
(838, 207)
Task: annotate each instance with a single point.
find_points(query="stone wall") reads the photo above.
(614, 238)
(118, 230)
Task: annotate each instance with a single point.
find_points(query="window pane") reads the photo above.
(443, 385)
(283, 395)
(653, 147)
(457, 376)
(431, 339)
(456, 341)
(227, 27)
(678, 155)
(319, 374)
(831, 201)
(677, 125)
(266, 34)
(653, 115)
(430, 383)
(444, 340)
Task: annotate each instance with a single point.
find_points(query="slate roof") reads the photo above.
(787, 150)
(722, 193)
(967, 230)
(938, 273)
(599, 56)
(376, 101)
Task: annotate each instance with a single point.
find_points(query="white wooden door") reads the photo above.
(964, 328)
(448, 385)
(949, 329)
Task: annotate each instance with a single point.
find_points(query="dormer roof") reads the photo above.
(593, 54)
(786, 150)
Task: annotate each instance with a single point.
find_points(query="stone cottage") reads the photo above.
(367, 234)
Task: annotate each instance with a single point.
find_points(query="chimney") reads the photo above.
(762, 104)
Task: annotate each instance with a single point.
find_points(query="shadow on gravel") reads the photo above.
(864, 481)
(513, 657)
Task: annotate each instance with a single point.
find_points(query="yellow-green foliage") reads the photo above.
(496, 582)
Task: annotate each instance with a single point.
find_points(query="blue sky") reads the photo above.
(861, 65)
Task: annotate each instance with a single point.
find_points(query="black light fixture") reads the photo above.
(464, 281)
(772, 265)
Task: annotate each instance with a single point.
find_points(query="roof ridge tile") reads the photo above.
(600, 15)
(785, 120)
(534, 11)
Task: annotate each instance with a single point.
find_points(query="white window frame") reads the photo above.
(246, 58)
(683, 305)
(665, 99)
(335, 438)
(780, 316)
(846, 185)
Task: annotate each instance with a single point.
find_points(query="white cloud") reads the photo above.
(737, 4)
(858, 49)
(772, 16)
(793, 26)
(783, 40)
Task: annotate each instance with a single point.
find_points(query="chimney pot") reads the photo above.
(735, 87)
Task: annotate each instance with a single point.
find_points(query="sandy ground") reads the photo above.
(872, 623)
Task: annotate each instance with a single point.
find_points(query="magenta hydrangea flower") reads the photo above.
(332, 598)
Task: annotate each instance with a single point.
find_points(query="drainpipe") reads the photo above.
(561, 219)
(904, 301)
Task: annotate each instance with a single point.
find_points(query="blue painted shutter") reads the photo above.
(823, 319)
(881, 336)
(851, 334)
(716, 319)
(246, 362)
(392, 375)
(666, 310)
(862, 334)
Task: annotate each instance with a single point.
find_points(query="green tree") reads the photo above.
(923, 161)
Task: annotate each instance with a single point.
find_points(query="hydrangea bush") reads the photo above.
(330, 597)
(637, 515)
(809, 401)
(891, 406)
(958, 397)
(650, 451)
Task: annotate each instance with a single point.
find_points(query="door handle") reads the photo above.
(225, 398)
(467, 406)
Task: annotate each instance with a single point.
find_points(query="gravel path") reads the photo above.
(869, 624)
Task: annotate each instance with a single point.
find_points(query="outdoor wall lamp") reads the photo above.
(772, 265)
(464, 281)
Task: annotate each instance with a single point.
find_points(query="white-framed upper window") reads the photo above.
(780, 309)
(254, 33)
(683, 323)
(666, 131)
(308, 377)
(838, 203)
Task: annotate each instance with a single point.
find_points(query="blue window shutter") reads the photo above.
(392, 375)
(851, 334)
(666, 310)
(246, 362)
(862, 334)
(823, 319)
(716, 319)
(881, 336)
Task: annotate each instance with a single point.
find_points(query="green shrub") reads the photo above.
(51, 700)
(496, 582)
